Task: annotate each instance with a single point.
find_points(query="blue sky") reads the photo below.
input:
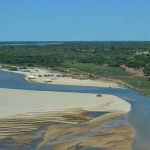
(74, 20)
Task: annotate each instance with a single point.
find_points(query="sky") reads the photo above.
(74, 20)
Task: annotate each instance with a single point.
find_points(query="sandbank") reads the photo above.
(71, 81)
(15, 102)
(61, 117)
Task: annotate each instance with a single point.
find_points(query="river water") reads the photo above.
(138, 117)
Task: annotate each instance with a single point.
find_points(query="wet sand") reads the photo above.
(75, 130)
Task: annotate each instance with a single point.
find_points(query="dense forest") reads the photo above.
(113, 54)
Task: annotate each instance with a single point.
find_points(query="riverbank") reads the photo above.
(23, 112)
(71, 81)
(144, 92)
(47, 77)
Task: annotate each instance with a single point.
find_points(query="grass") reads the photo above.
(146, 92)
(112, 71)
(139, 83)
(136, 82)
(97, 69)
(81, 66)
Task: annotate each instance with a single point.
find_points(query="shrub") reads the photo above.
(13, 68)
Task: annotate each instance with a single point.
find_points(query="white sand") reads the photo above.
(71, 81)
(68, 80)
(13, 102)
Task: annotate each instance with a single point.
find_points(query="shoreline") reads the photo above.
(129, 86)
(70, 81)
(64, 80)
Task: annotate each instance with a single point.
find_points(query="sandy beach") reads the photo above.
(21, 101)
(71, 81)
(66, 80)
(62, 80)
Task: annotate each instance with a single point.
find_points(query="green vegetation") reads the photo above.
(98, 70)
(138, 61)
(13, 68)
(147, 70)
(5, 66)
(99, 53)
(114, 73)
(139, 83)
(85, 67)
(102, 59)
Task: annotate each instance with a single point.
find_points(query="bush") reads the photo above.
(147, 70)
(13, 69)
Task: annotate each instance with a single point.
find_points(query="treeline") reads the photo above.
(113, 54)
(29, 56)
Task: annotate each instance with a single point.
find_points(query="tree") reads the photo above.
(147, 70)
(98, 59)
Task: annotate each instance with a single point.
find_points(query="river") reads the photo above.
(138, 117)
